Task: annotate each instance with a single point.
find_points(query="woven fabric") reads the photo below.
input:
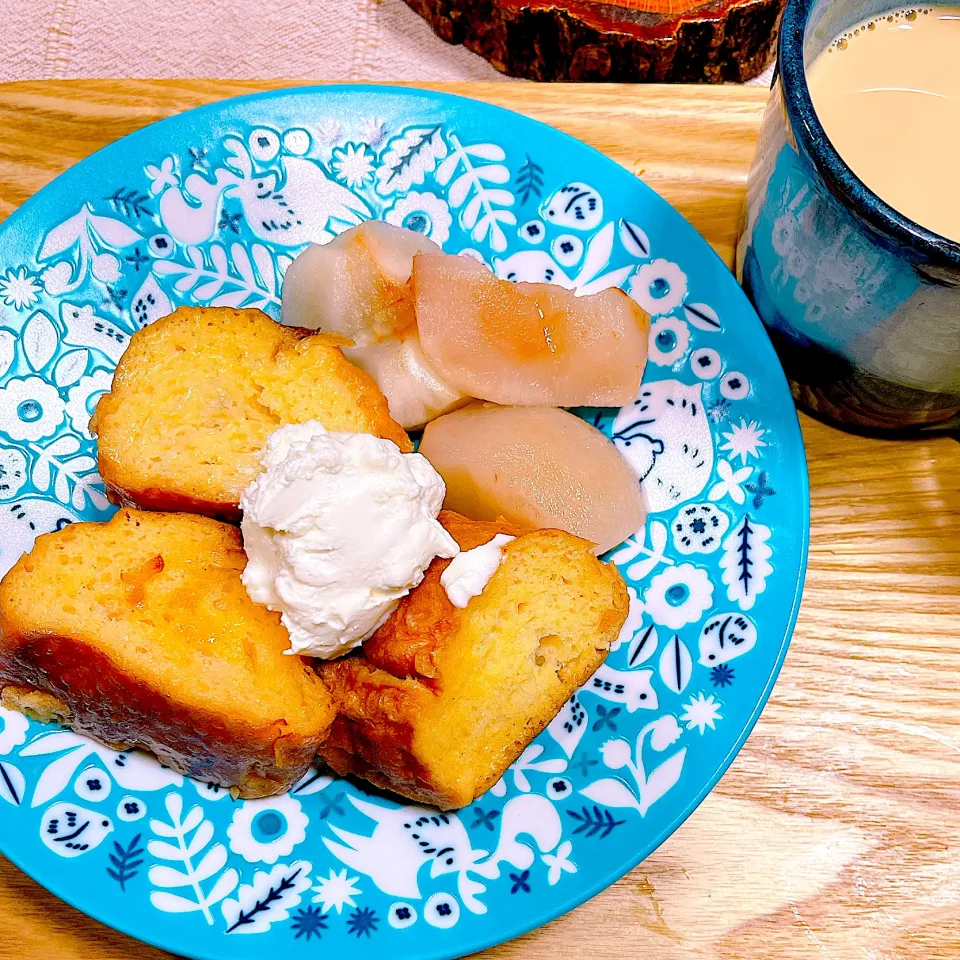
(229, 39)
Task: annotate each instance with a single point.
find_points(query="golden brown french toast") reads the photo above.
(139, 633)
(440, 701)
(197, 393)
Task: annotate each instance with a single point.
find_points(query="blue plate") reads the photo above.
(210, 208)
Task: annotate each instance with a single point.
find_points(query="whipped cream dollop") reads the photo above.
(470, 571)
(337, 528)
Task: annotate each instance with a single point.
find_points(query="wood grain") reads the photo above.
(627, 41)
(836, 833)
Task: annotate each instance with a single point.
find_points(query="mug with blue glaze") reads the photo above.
(862, 303)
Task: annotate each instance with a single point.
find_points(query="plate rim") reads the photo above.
(559, 907)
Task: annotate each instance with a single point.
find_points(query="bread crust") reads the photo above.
(388, 690)
(148, 474)
(72, 677)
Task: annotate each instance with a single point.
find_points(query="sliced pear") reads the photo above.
(415, 393)
(527, 343)
(537, 467)
(358, 285)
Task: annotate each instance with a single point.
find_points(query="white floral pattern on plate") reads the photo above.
(211, 209)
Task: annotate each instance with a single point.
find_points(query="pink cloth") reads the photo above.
(228, 39)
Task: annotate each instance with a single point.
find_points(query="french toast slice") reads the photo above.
(138, 633)
(440, 701)
(197, 393)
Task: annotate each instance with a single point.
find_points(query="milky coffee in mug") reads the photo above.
(850, 241)
(888, 95)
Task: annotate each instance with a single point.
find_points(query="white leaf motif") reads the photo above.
(230, 299)
(612, 279)
(218, 257)
(64, 235)
(311, 782)
(161, 876)
(611, 793)
(746, 562)
(7, 352)
(68, 473)
(483, 219)
(653, 555)
(676, 665)
(661, 780)
(39, 339)
(241, 261)
(268, 899)
(224, 886)
(58, 774)
(487, 151)
(171, 902)
(598, 255)
(56, 742)
(643, 646)
(471, 213)
(207, 291)
(160, 849)
(70, 367)
(702, 317)
(634, 240)
(183, 852)
(114, 232)
(218, 283)
(12, 783)
(203, 835)
(213, 862)
(409, 158)
(264, 263)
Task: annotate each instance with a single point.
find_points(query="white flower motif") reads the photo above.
(330, 130)
(559, 862)
(678, 595)
(744, 440)
(56, 278)
(353, 165)
(161, 177)
(83, 397)
(701, 712)
(19, 289)
(263, 831)
(665, 732)
(424, 213)
(616, 754)
(729, 483)
(374, 131)
(659, 287)
(668, 342)
(13, 472)
(30, 409)
(337, 892)
(698, 528)
(106, 267)
(13, 730)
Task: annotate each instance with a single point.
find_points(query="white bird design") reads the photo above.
(406, 838)
(291, 203)
(299, 208)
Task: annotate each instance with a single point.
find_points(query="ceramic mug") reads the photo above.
(862, 304)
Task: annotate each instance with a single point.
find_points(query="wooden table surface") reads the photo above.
(836, 832)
